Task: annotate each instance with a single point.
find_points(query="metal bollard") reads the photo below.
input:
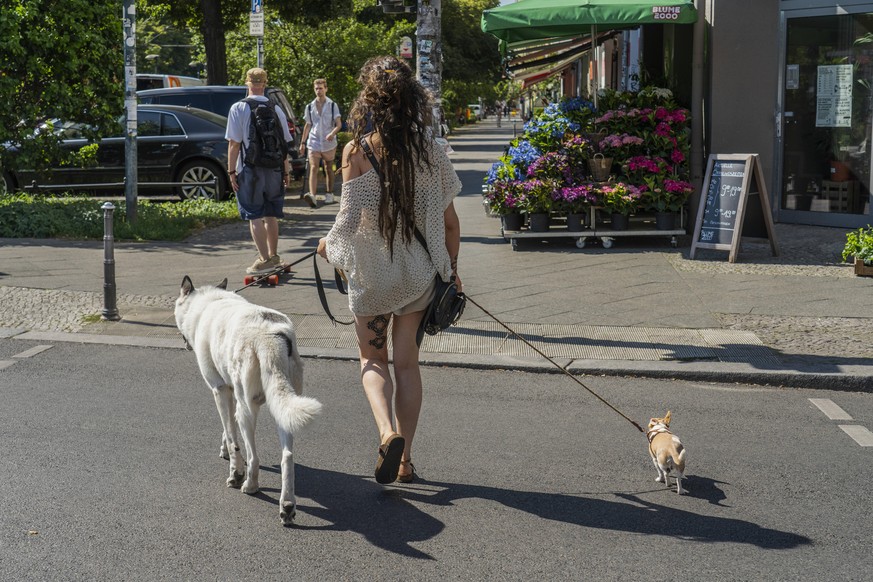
(110, 309)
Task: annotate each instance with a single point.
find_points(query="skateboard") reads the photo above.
(270, 279)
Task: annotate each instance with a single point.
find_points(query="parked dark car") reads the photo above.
(174, 144)
(219, 98)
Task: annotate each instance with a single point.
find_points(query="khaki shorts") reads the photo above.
(419, 304)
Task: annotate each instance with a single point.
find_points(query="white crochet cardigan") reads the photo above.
(378, 285)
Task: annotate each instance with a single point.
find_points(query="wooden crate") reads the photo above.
(863, 270)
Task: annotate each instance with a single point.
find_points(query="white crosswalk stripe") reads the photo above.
(32, 352)
(860, 434)
(830, 409)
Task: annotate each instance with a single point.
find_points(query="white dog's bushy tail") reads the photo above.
(289, 409)
(293, 412)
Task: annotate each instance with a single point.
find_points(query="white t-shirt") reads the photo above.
(322, 124)
(238, 120)
(378, 285)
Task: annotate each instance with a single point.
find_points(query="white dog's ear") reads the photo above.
(668, 418)
(187, 286)
(223, 284)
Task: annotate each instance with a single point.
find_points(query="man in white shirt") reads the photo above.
(323, 122)
(260, 191)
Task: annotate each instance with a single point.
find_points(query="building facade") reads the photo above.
(792, 80)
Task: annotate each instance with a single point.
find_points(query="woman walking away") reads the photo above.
(410, 184)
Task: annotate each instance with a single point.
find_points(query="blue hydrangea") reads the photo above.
(523, 154)
(576, 104)
(492, 174)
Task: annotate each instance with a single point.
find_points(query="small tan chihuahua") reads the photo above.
(667, 451)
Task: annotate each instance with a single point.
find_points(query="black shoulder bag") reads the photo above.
(448, 303)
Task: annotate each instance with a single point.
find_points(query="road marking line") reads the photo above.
(860, 434)
(830, 409)
(39, 349)
(5, 363)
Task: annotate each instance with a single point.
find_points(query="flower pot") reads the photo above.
(840, 172)
(539, 222)
(862, 269)
(665, 220)
(576, 221)
(600, 167)
(619, 221)
(512, 221)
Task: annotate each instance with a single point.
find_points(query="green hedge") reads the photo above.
(30, 216)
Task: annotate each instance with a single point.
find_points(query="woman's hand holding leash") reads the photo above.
(322, 248)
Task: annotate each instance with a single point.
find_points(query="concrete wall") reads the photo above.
(743, 78)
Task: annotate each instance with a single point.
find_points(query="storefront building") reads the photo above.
(789, 80)
(792, 80)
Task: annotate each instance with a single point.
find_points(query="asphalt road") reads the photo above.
(111, 471)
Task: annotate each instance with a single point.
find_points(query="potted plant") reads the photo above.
(538, 202)
(610, 147)
(665, 197)
(619, 200)
(859, 244)
(505, 198)
(577, 201)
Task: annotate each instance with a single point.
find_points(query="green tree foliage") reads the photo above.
(296, 54)
(213, 19)
(58, 59)
(468, 53)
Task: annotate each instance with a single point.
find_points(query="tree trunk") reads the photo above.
(212, 28)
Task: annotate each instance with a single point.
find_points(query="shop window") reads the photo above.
(828, 114)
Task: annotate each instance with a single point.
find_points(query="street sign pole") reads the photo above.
(256, 27)
(130, 165)
(429, 56)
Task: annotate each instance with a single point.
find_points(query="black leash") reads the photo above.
(572, 377)
(275, 271)
(338, 277)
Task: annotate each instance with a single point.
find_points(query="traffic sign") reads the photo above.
(256, 24)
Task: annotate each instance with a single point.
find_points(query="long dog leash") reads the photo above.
(338, 276)
(275, 271)
(571, 376)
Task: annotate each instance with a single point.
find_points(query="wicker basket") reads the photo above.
(600, 167)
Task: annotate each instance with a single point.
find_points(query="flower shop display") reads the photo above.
(629, 157)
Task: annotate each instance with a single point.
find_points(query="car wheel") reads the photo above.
(195, 173)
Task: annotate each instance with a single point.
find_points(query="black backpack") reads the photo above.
(267, 147)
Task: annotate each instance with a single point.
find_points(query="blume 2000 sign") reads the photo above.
(666, 12)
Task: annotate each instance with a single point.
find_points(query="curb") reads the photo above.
(859, 378)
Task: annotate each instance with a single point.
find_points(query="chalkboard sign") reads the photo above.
(733, 204)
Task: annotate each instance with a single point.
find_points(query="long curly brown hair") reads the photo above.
(394, 105)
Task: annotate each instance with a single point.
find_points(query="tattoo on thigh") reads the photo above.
(379, 325)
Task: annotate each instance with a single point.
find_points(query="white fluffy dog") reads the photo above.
(248, 356)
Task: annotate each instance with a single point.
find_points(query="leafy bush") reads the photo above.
(859, 243)
(29, 216)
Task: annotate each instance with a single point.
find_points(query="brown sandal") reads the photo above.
(409, 477)
(388, 463)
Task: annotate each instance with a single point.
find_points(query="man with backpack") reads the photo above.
(323, 122)
(258, 165)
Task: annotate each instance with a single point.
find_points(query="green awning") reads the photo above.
(536, 19)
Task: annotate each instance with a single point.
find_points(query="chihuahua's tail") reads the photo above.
(679, 460)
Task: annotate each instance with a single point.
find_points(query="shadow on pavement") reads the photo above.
(353, 503)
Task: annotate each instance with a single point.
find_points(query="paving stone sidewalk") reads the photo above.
(640, 307)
